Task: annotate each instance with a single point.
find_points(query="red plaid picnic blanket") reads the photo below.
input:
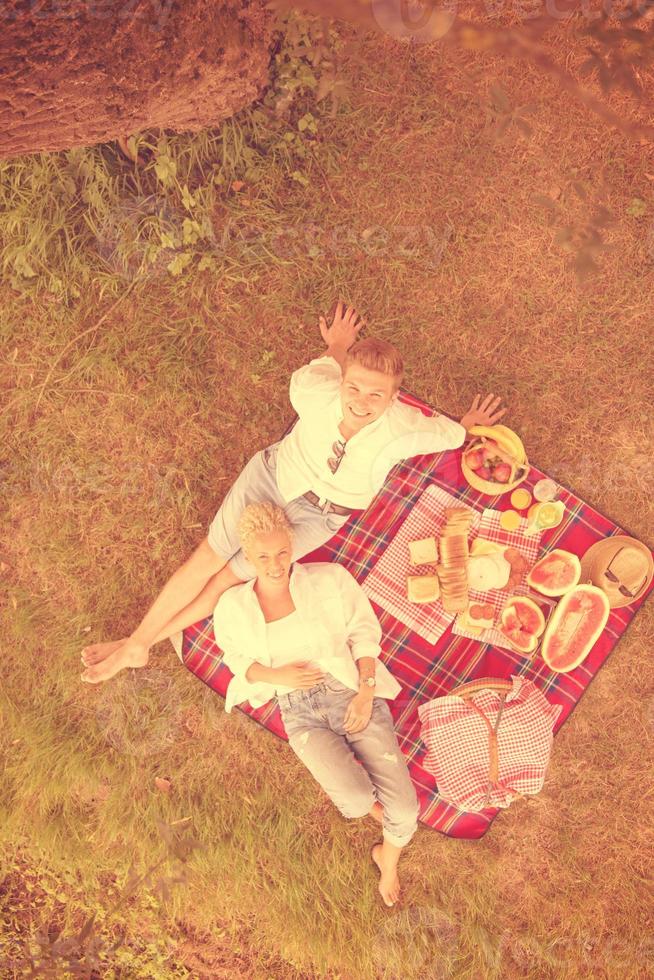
(456, 733)
(426, 671)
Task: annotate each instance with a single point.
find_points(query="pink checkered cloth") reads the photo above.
(386, 584)
(456, 733)
(529, 547)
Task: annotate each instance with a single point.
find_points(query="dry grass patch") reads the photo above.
(419, 216)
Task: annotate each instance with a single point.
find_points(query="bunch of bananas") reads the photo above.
(506, 439)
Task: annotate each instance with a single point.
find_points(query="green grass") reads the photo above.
(119, 445)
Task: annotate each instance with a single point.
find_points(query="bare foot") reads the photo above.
(126, 654)
(389, 883)
(97, 652)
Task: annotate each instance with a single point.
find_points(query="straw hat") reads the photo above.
(627, 560)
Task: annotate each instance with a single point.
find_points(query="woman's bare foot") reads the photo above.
(97, 652)
(389, 883)
(125, 654)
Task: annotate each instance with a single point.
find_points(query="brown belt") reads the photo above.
(328, 507)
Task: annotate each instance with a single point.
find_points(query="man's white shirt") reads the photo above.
(400, 433)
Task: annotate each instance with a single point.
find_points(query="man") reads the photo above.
(351, 431)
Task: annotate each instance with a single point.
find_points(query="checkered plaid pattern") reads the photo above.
(489, 529)
(426, 671)
(457, 740)
(386, 584)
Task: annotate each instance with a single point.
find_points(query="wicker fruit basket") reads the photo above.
(490, 487)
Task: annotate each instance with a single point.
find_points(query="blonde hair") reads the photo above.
(262, 518)
(376, 355)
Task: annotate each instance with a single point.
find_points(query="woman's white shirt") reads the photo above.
(337, 620)
(288, 643)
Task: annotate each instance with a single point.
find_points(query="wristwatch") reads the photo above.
(369, 682)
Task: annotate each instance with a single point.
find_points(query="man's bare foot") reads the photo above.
(126, 654)
(97, 652)
(389, 883)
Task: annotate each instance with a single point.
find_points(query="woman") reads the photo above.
(308, 634)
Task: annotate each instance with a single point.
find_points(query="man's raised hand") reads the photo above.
(344, 328)
(483, 412)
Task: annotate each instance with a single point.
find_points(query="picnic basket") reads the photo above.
(487, 486)
(466, 691)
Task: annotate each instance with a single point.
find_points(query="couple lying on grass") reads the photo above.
(307, 633)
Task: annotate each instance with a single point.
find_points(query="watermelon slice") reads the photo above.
(556, 573)
(575, 627)
(522, 622)
(520, 640)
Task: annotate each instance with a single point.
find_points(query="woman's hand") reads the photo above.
(298, 675)
(358, 713)
(483, 412)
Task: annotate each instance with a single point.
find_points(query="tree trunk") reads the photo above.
(79, 72)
